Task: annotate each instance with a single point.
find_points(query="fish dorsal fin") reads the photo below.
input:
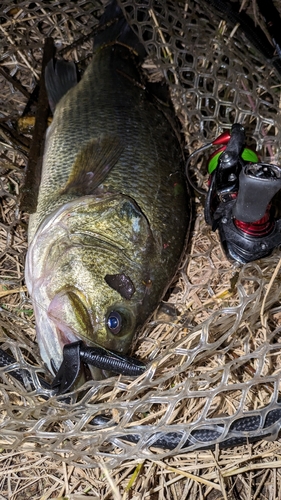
(92, 165)
(60, 76)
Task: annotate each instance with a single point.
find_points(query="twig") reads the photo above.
(3, 293)
(19, 52)
(267, 292)
(183, 473)
(14, 82)
(251, 467)
(13, 139)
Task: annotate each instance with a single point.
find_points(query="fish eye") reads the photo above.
(114, 322)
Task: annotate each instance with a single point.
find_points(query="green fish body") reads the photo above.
(113, 209)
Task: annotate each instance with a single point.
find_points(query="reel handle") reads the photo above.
(234, 148)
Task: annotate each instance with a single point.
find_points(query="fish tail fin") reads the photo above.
(114, 28)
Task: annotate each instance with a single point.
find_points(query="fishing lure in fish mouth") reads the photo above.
(99, 357)
(73, 355)
(239, 201)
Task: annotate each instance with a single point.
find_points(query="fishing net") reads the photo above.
(213, 347)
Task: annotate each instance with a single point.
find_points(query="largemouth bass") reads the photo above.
(113, 209)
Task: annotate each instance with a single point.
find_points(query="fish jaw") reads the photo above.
(73, 252)
(51, 340)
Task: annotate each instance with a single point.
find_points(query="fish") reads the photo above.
(113, 210)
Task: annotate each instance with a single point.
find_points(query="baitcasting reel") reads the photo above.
(239, 202)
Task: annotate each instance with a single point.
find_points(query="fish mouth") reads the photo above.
(77, 352)
(74, 369)
(67, 323)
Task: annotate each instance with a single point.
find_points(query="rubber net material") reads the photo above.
(214, 347)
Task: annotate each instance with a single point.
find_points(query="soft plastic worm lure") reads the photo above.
(99, 357)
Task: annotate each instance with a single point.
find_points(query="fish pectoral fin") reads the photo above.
(92, 165)
(60, 76)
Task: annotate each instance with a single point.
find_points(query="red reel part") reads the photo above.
(259, 228)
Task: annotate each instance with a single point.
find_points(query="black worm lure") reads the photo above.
(99, 357)
(68, 372)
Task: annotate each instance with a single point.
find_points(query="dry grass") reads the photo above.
(217, 339)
